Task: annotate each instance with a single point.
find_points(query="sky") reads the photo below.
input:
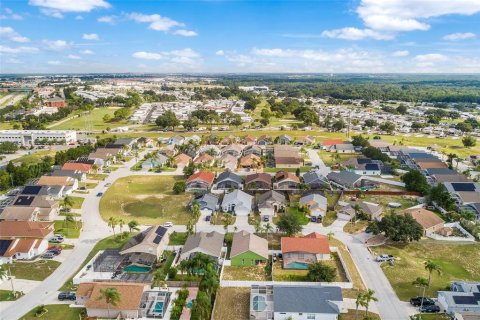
(215, 36)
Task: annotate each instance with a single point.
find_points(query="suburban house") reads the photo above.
(363, 166)
(248, 249)
(250, 161)
(200, 181)
(23, 240)
(286, 156)
(16, 213)
(208, 203)
(298, 252)
(264, 140)
(373, 210)
(271, 202)
(284, 139)
(168, 151)
(228, 161)
(429, 220)
(342, 148)
(82, 167)
(253, 149)
(49, 208)
(237, 202)
(75, 174)
(209, 243)
(305, 141)
(327, 143)
(233, 150)
(316, 203)
(286, 181)
(249, 140)
(176, 140)
(145, 248)
(345, 179)
(464, 297)
(258, 181)
(295, 302)
(106, 156)
(346, 212)
(204, 160)
(211, 149)
(66, 184)
(315, 180)
(158, 160)
(89, 295)
(182, 160)
(228, 180)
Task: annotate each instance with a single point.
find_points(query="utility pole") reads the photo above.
(348, 124)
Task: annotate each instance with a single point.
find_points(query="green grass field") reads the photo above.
(7, 295)
(456, 261)
(94, 118)
(56, 312)
(77, 202)
(38, 270)
(147, 199)
(35, 157)
(69, 229)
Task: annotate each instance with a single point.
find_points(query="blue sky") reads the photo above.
(373, 36)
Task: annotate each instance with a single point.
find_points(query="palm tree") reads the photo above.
(268, 228)
(3, 273)
(359, 302)
(421, 283)
(121, 223)
(112, 223)
(111, 297)
(357, 209)
(330, 235)
(190, 226)
(368, 296)
(133, 225)
(431, 266)
(67, 201)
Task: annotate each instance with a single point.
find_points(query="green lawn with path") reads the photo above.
(38, 270)
(456, 262)
(70, 229)
(56, 312)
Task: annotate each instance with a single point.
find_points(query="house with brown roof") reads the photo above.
(258, 181)
(147, 246)
(299, 252)
(248, 249)
(106, 155)
(284, 180)
(429, 220)
(23, 239)
(233, 149)
(228, 161)
(209, 243)
(249, 140)
(250, 161)
(182, 160)
(424, 164)
(49, 208)
(204, 160)
(83, 167)
(66, 184)
(286, 156)
(200, 181)
(264, 140)
(89, 295)
(15, 213)
(253, 149)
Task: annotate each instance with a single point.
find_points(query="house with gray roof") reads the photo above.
(316, 203)
(345, 179)
(76, 174)
(253, 149)
(158, 160)
(464, 297)
(248, 249)
(208, 203)
(296, 302)
(342, 148)
(209, 243)
(271, 202)
(228, 180)
(284, 139)
(315, 180)
(238, 203)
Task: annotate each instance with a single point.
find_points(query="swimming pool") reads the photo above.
(259, 303)
(136, 269)
(297, 265)
(158, 307)
(189, 304)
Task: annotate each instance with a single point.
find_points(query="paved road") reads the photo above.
(318, 162)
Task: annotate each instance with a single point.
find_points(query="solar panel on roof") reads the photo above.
(466, 299)
(31, 190)
(364, 160)
(466, 186)
(371, 166)
(157, 239)
(161, 231)
(24, 201)
(4, 244)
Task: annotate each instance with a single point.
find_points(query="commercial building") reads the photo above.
(32, 137)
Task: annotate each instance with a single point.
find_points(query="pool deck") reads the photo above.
(192, 294)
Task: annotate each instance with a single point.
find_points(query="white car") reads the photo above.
(168, 224)
(385, 257)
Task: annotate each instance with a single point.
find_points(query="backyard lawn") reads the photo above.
(97, 176)
(56, 312)
(147, 199)
(330, 158)
(177, 238)
(405, 201)
(456, 261)
(94, 119)
(70, 229)
(77, 202)
(255, 273)
(39, 270)
(232, 304)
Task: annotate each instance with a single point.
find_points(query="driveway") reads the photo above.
(318, 162)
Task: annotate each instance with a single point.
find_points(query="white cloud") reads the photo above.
(400, 53)
(459, 36)
(429, 60)
(187, 53)
(73, 57)
(53, 62)
(90, 36)
(78, 18)
(56, 45)
(71, 6)
(356, 34)
(10, 34)
(220, 53)
(9, 14)
(52, 13)
(147, 55)
(108, 19)
(156, 21)
(87, 51)
(5, 49)
(408, 15)
(13, 61)
(185, 33)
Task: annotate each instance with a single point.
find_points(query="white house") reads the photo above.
(237, 202)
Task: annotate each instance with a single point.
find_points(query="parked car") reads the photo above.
(82, 188)
(430, 309)
(55, 251)
(99, 194)
(207, 218)
(168, 224)
(266, 219)
(385, 257)
(48, 255)
(417, 301)
(55, 248)
(65, 210)
(57, 239)
(67, 295)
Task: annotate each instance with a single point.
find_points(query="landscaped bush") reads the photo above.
(179, 303)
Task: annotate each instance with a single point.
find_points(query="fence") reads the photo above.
(248, 284)
(382, 193)
(456, 225)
